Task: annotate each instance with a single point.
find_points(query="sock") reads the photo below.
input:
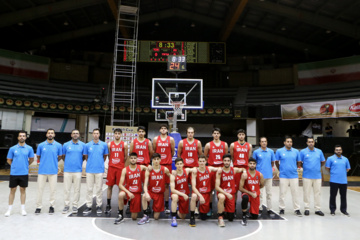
(173, 214)
(221, 214)
(108, 201)
(22, 206)
(166, 204)
(121, 212)
(145, 212)
(10, 207)
(192, 214)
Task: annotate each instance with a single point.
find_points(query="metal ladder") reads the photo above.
(124, 66)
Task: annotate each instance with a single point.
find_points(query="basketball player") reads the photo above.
(154, 188)
(190, 149)
(225, 186)
(118, 153)
(130, 186)
(214, 152)
(165, 146)
(201, 187)
(179, 191)
(250, 187)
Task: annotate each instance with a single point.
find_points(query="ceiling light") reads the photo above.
(105, 22)
(66, 23)
(20, 24)
(283, 28)
(192, 25)
(156, 24)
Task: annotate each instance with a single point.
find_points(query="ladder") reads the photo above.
(124, 66)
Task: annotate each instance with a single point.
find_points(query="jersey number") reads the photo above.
(140, 153)
(228, 184)
(157, 183)
(217, 157)
(135, 182)
(162, 150)
(116, 154)
(253, 187)
(190, 154)
(241, 155)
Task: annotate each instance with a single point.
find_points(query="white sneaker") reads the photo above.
(23, 212)
(7, 214)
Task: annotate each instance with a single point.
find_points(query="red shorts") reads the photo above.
(254, 203)
(205, 207)
(183, 205)
(168, 166)
(230, 204)
(135, 203)
(113, 176)
(213, 175)
(158, 201)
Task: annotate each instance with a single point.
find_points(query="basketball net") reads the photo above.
(178, 107)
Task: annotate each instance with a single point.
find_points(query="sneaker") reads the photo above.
(119, 219)
(87, 210)
(196, 211)
(192, 222)
(37, 211)
(8, 212)
(307, 213)
(282, 212)
(320, 213)
(346, 214)
(209, 214)
(260, 212)
(271, 213)
(108, 209)
(332, 213)
(51, 210)
(167, 210)
(74, 210)
(98, 210)
(244, 221)
(174, 222)
(66, 209)
(23, 212)
(144, 220)
(298, 213)
(221, 222)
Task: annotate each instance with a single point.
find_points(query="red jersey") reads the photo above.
(164, 149)
(142, 151)
(216, 153)
(190, 153)
(133, 179)
(227, 181)
(181, 183)
(157, 180)
(252, 183)
(241, 154)
(203, 181)
(117, 155)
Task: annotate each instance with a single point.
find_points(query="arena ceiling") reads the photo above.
(319, 28)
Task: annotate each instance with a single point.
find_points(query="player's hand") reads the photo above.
(131, 196)
(202, 199)
(194, 170)
(229, 196)
(253, 194)
(147, 196)
(173, 172)
(219, 171)
(245, 174)
(150, 168)
(186, 197)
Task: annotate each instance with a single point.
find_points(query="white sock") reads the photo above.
(22, 206)
(10, 207)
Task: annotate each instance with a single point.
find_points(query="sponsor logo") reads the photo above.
(203, 189)
(163, 156)
(241, 162)
(182, 191)
(115, 160)
(189, 160)
(355, 107)
(218, 162)
(228, 190)
(156, 189)
(140, 159)
(327, 109)
(133, 188)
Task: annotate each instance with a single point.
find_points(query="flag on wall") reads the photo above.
(24, 65)
(335, 70)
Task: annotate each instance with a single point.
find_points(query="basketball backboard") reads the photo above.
(165, 91)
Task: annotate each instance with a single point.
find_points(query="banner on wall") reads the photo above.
(334, 70)
(128, 134)
(314, 110)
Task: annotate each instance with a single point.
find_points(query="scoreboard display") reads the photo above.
(159, 51)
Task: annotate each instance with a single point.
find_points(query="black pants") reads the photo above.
(334, 187)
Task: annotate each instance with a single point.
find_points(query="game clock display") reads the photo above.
(176, 63)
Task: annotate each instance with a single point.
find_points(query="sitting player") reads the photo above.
(130, 186)
(154, 188)
(250, 187)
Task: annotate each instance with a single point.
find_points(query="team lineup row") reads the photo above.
(191, 167)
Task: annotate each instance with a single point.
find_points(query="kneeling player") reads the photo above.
(225, 186)
(130, 186)
(201, 187)
(179, 191)
(154, 188)
(250, 187)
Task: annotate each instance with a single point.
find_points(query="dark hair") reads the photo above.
(338, 146)
(310, 138)
(226, 156)
(188, 129)
(164, 125)
(117, 130)
(251, 159)
(216, 130)
(75, 130)
(261, 138)
(156, 155)
(178, 160)
(202, 156)
(241, 131)
(287, 137)
(50, 129)
(133, 154)
(141, 128)
(96, 129)
(22, 131)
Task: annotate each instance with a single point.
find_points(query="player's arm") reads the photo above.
(250, 149)
(241, 170)
(232, 151)
(180, 147)
(207, 150)
(151, 150)
(9, 160)
(217, 183)
(226, 148)
(194, 189)
(172, 187)
(199, 148)
(213, 169)
(31, 155)
(126, 151)
(167, 172)
(31, 160)
(109, 148)
(121, 183)
(146, 181)
(60, 152)
(262, 181)
(242, 189)
(143, 168)
(154, 143)
(172, 142)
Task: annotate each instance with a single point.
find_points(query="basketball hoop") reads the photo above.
(177, 106)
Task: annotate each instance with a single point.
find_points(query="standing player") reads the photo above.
(179, 191)
(265, 161)
(118, 153)
(201, 187)
(190, 149)
(154, 188)
(19, 158)
(250, 187)
(225, 186)
(214, 151)
(165, 146)
(130, 186)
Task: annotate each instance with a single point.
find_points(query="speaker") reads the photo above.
(8, 140)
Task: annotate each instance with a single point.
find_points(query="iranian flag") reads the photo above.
(335, 70)
(24, 65)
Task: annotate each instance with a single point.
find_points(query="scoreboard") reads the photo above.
(158, 51)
